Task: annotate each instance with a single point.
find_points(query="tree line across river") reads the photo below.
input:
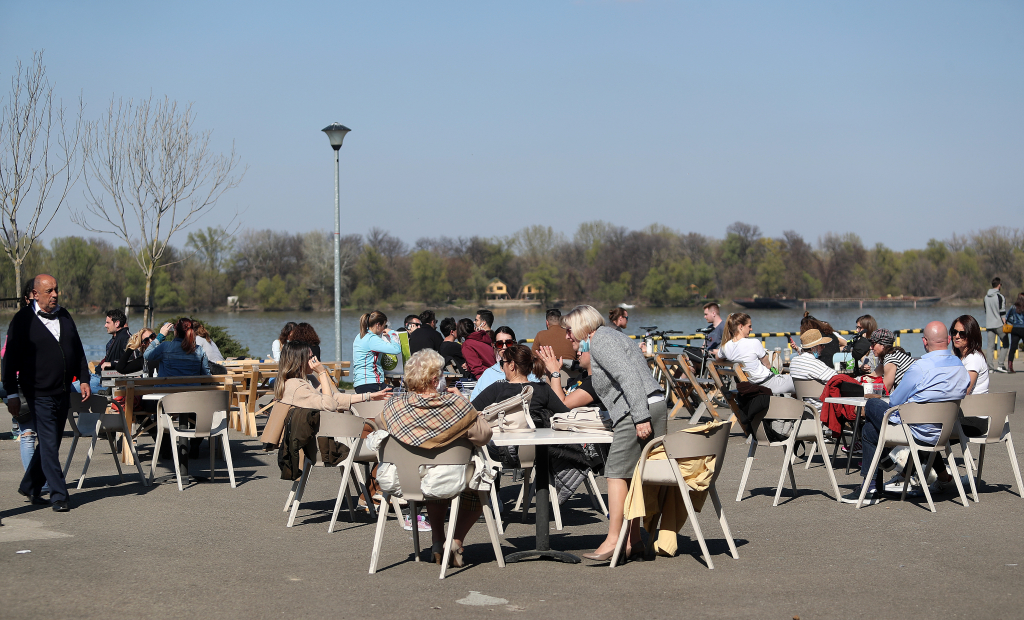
(601, 262)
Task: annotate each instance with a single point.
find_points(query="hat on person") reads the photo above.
(883, 337)
(812, 338)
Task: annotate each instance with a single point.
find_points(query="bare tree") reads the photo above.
(33, 180)
(150, 173)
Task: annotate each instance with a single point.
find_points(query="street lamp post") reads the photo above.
(336, 134)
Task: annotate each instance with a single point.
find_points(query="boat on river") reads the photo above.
(783, 303)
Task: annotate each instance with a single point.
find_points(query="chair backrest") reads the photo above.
(995, 406)
(684, 445)
(369, 409)
(779, 408)
(407, 461)
(337, 424)
(808, 388)
(944, 413)
(202, 404)
(88, 412)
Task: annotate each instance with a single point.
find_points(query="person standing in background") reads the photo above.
(619, 318)
(995, 317)
(554, 336)
(44, 353)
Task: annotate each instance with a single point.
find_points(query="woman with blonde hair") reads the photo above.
(423, 417)
(738, 347)
(374, 340)
(636, 405)
(130, 360)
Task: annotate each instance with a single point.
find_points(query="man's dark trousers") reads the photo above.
(51, 413)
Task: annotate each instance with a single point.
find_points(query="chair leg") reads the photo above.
(113, 448)
(965, 447)
(449, 538)
(156, 451)
(213, 456)
(382, 519)
(746, 468)
(135, 455)
(951, 460)
(786, 466)
(874, 467)
(620, 545)
(596, 493)
(922, 475)
(227, 458)
(1013, 463)
(492, 529)
(810, 454)
(174, 454)
(291, 495)
(556, 509)
(824, 457)
(853, 442)
(496, 504)
(692, 516)
(342, 492)
(88, 459)
(414, 520)
(307, 468)
(717, 503)
(71, 454)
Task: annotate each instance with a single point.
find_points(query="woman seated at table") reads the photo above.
(424, 418)
(131, 360)
(737, 347)
(180, 357)
(893, 361)
(294, 388)
(966, 335)
(518, 361)
(282, 338)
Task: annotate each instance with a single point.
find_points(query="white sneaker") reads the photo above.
(1000, 369)
(895, 486)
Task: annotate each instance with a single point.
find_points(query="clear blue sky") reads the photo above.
(901, 121)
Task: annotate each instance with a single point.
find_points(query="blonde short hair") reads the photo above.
(423, 369)
(582, 321)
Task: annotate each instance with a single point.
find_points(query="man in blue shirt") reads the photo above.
(937, 377)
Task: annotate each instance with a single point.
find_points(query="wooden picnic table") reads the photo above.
(129, 388)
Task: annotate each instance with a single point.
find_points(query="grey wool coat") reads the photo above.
(622, 378)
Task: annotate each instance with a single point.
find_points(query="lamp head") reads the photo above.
(336, 134)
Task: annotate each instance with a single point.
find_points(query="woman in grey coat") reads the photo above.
(636, 404)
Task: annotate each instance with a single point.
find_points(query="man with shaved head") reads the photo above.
(937, 377)
(44, 355)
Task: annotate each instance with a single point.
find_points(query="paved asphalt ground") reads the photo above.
(125, 551)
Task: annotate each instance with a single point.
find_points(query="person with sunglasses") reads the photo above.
(967, 345)
(504, 337)
(131, 360)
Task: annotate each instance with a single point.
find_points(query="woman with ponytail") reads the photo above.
(180, 357)
(373, 341)
(738, 347)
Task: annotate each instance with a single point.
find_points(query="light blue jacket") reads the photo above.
(174, 361)
(366, 352)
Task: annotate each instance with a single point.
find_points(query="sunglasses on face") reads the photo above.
(503, 344)
(149, 338)
(956, 333)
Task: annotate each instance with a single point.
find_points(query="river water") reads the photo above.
(257, 330)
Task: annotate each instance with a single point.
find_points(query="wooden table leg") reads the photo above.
(129, 420)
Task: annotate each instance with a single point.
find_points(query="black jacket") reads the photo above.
(425, 337)
(116, 345)
(47, 367)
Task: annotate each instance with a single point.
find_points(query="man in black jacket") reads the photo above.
(44, 354)
(426, 337)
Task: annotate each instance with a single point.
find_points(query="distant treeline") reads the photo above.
(601, 262)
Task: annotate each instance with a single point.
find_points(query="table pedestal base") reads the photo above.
(561, 556)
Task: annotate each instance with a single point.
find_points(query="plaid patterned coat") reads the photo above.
(433, 422)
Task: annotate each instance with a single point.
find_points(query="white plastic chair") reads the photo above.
(210, 409)
(944, 414)
(347, 427)
(806, 427)
(89, 419)
(997, 409)
(407, 462)
(665, 472)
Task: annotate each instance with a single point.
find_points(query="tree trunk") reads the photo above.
(17, 280)
(147, 315)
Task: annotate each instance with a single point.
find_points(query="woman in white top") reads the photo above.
(282, 339)
(966, 335)
(737, 347)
